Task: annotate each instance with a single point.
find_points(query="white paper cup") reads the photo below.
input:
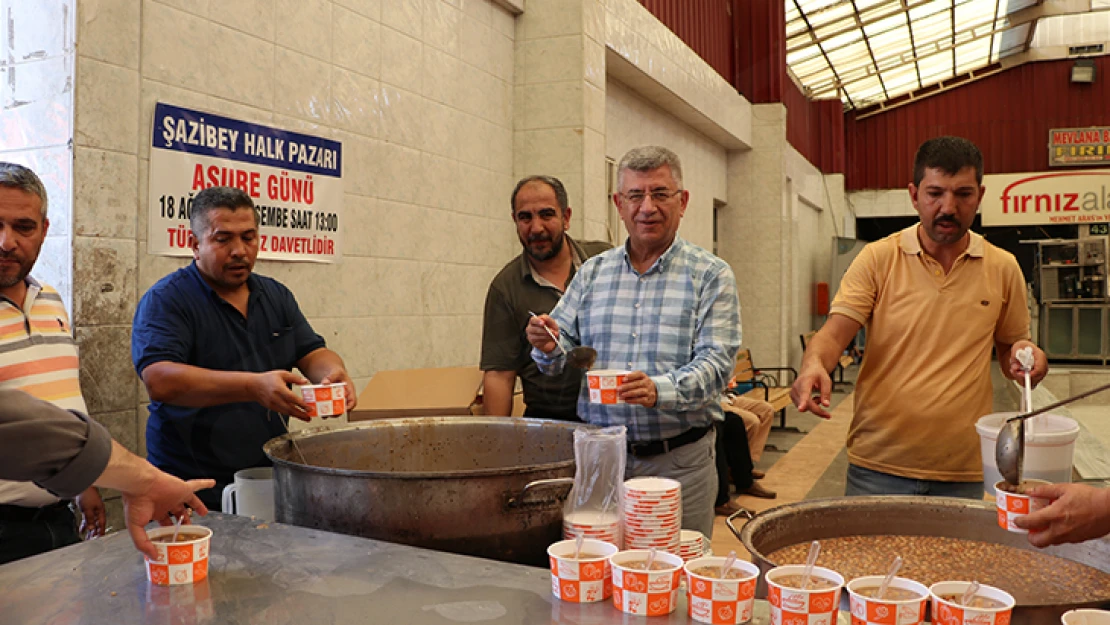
(1086, 617)
(581, 581)
(646, 593)
(872, 611)
(720, 601)
(807, 606)
(182, 562)
(325, 400)
(949, 613)
(1014, 505)
(603, 383)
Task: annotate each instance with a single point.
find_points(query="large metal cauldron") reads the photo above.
(908, 516)
(486, 486)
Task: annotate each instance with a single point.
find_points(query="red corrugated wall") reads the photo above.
(704, 25)
(815, 128)
(1007, 115)
(760, 30)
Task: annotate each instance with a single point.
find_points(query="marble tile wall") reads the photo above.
(420, 93)
(632, 121)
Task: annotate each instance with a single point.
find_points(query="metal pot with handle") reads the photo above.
(492, 487)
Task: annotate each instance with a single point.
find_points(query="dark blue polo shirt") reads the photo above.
(182, 319)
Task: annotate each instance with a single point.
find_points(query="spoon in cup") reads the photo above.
(811, 560)
(894, 566)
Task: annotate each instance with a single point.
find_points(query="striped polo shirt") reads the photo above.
(38, 356)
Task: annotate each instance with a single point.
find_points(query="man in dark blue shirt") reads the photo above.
(215, 345)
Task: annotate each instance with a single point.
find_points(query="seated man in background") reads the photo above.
(532, 282)
(215, 344)
(758, 417)
(734, 460)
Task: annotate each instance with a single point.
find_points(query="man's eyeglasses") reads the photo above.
(659, 196)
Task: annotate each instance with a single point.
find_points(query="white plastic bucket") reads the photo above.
(1048, 451)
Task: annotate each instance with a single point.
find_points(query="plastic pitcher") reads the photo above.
(1048, 451)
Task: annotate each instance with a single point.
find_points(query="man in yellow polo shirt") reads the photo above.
(935, 298)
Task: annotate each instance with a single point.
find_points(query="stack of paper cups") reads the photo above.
(604, 526)
(692, 544)
(652, 513)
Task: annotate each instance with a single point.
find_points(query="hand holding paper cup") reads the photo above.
(325, 400)
(603, 384)
(1013, 503)
(184, 561)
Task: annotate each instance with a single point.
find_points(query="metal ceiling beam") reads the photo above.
(990, 51)
(1027, 15)
(870, 52)
(814, 39)
(913, 46)
(832, 68)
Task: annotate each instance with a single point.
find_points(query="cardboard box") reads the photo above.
(447, 391)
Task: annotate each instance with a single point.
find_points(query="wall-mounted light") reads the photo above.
(1083, 71)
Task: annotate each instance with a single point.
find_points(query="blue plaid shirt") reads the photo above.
(678, 322)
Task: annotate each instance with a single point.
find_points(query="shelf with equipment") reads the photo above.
(1073, 297)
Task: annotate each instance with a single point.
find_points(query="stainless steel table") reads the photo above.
(275, 574)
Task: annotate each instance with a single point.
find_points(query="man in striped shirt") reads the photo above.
(665, 310)
(37, 356)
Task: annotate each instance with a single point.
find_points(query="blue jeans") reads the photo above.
(863, 481)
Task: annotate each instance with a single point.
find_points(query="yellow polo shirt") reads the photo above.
(925, 376)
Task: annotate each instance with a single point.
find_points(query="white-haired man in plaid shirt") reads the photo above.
(667, 311)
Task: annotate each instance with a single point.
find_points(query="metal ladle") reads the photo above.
(1009, 449)
(581, 357)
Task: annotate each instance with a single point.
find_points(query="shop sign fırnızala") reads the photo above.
(1046, 198)
(1078, 146)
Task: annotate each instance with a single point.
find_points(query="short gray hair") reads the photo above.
(647, 158)
(212, 198)
(15, 176)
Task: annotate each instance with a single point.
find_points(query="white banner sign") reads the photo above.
(1046, 198)
(294, 180)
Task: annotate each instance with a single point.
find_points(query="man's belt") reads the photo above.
(655, 448)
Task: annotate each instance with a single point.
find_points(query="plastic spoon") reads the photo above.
(969, 594)
(894, 566)
(578, 545)
(177, 525)
(811, 560)
(651, 559)
(729, 561)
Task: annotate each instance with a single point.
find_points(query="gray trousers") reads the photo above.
(695, 467)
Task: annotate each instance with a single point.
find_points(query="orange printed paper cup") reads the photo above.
(585, 580)
(815, 606)
(887, 611)
(325, 400)
(182, 562)
(949, 612)
(646, 593)
(603, 385)
(1013, 505)
(720, 601)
